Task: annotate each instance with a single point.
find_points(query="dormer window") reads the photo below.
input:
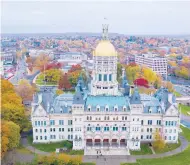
(89, 108)
(61, 111)
(106, 108)
(97, 108)
(115, 108)
(124, 108)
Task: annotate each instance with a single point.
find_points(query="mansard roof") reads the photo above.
(110, 101)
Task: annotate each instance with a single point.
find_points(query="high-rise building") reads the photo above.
(157, 63)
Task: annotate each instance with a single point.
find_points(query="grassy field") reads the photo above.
(177, 94)
(50, 147)
(185, 132)
(145, 150)
(168, 147)
(39, 81)
(184, 109)
(182, 158)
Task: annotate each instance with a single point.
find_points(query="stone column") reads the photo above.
(119, 142)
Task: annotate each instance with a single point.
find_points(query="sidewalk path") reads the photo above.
(116, 160)
(24, 142)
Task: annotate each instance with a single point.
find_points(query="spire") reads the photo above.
(105, 30)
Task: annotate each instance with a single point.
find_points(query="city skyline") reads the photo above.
(130, 18)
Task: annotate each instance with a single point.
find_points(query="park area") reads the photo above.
(185, 109)
(182, 158)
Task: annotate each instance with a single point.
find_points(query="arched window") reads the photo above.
(122, 117)
(108, 118)
(105, 118)
(124, 108)
(90, 117)
(125, 117)
(87, 118)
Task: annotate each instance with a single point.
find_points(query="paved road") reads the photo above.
(178, 80)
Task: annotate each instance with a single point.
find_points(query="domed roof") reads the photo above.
(105, 48)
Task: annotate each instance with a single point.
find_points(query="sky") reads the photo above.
(130, 17)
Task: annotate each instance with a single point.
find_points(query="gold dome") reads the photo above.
(105, 48)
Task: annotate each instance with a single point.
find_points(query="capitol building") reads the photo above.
(104, 115)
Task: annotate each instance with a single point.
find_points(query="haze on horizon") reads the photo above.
(131, 18)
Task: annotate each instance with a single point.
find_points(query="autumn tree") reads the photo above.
(158, 82)
(10, 135)
(168, 85)
(12, 108)
(52, 75)
(53, 65)
(158, 142)
(141, 82)
(25, 90)
(73, 77)
(41, 61)
(59, 92)
(149, 74)
(75, 68)
(132, 72)
(182, 72)
(64, 82)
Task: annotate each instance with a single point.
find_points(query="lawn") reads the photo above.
(145, 150)
(185, 132)
(168, 147)
(50, 147)
(182, 158)
(184, 109)
(177, 94)
(39, 81)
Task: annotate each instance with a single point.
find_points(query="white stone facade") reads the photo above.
(103, 117)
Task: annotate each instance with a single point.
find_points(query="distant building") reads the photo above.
(37, 52)
(71, 58)
(7, 58)
(157, 63)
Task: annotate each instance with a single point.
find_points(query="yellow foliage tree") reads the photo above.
(12, 108)
(159, 142)
(10, 135)
(149, 74)
(59, 92)
(132, 72)
(172, 63)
